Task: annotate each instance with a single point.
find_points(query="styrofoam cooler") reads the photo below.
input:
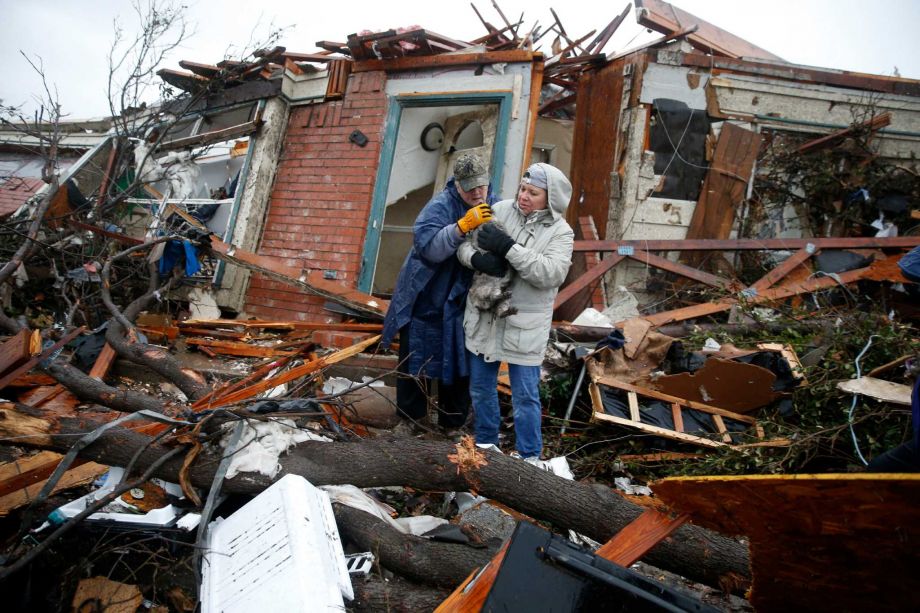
(279, 552)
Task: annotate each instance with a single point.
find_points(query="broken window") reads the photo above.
(677, 136)
(191, 177)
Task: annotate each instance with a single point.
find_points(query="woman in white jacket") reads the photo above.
(537, 245)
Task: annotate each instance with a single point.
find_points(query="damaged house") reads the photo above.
(326, 158)
(230, 253)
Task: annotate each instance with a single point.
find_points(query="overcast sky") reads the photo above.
(72, 37)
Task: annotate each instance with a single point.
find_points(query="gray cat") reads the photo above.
(489, 293)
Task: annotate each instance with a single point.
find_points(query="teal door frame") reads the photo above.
(388, 153)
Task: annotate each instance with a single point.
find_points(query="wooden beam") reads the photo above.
(559, 56)
(635, 540)
(597, 45)
(471, 595)
(778, 293)
(595, 272)
(784, 268)
(681, 269)
(658, 431)
(103, 363)
(217, 136)
(208, 71)
(594, 58)
(186, 81)
(80, 473)
(667, 18)
(321, 58)
(556, 104)
(333, 46)
(312, 282)
(677, 417)
(876, 123)
(751, 244)
(805, 74)
(441, 60)
(633, 401)
(238, 348)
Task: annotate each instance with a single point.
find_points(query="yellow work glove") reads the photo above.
(475, 217)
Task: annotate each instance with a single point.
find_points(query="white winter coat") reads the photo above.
(541, 260)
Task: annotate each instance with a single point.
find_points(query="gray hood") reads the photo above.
(558, 192)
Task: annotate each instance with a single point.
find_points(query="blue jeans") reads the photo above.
(525, 398)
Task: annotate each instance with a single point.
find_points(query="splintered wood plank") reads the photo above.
(635, 540)
(294, 373)
(724, 186)
(666, 456)
(208, 71)
(26, 471)
(238, 348)
(875, 123)
(103, 363)
(17, 349)
(823, 542)
(261, 372)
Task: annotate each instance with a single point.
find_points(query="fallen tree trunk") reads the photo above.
(420, 560)
(395, 595)
(93, 390)
(593, 510)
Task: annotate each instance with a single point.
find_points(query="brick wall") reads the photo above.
(321, 198)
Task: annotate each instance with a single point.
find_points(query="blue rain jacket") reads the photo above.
(430, 294)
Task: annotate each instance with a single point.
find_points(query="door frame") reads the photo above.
(388, 152)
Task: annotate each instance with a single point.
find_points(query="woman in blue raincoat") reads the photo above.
(428, 302)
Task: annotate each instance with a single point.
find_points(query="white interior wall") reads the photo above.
(413, 167)
(513, 78)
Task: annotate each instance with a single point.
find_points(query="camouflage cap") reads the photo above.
(470, 171)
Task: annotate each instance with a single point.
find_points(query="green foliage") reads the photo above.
(817, 427)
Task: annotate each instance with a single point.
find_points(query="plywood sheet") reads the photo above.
(735, 386)
(835, 542)
(594, 142)
(724, 186)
